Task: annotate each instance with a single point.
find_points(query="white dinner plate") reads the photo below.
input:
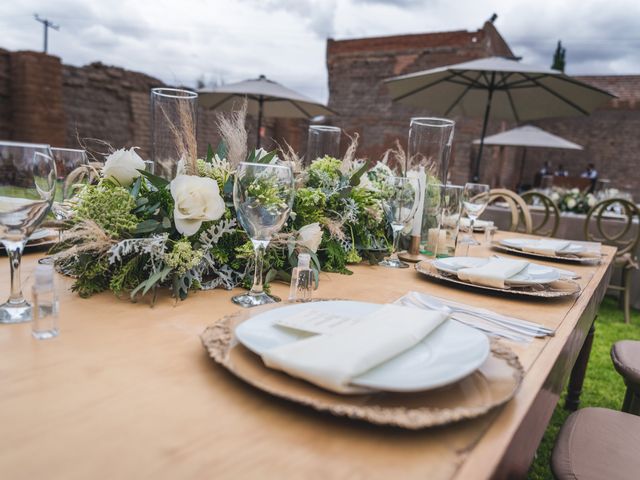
(520, 243)
(532, 273)
(451, 352)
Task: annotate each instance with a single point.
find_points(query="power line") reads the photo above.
(47, 25)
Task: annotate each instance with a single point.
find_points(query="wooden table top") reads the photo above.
(127, 391)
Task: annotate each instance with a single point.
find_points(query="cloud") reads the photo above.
(285, 39)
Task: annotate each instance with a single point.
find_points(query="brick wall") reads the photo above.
(42, 100)
(357, 69)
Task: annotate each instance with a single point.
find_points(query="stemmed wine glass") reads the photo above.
(400, 207)
(263, 197)
(27, 188)
(72, 168)
(475, 198)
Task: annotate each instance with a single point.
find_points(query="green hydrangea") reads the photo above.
(182, 257)
(109, 206)
(324, 172)
(218, 169)
(309, 206)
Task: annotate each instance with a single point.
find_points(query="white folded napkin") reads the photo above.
(332, 360)
(546, 247)
(493, 273)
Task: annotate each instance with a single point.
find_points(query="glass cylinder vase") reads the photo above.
(430, 141)
(322, 140)
(174, 148)
(441, 219)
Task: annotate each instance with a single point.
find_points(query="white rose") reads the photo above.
(575, 190)
(196, 199)
(310, 236)
(122, 166)
(571, 203)
(555, 196)
(591, 200)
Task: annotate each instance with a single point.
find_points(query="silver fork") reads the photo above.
(522, 326)
(508, 334)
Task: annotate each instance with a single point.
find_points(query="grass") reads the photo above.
(603, 387)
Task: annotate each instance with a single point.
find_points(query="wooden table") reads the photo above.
(127, 391)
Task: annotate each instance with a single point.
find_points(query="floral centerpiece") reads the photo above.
(132, 231)
(573, 200)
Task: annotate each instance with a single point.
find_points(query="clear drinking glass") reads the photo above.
(263, 197)
(72, 169)
(173, 129)
(323, 140)
(475, 199)
(27, 189)
(441, 233)
(430, 141)
(400, 207)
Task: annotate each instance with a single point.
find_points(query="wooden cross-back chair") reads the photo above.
(550, 222)
(620, 236)
(519, 209)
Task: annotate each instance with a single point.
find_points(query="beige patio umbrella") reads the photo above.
(528, 136)
(266, 98)
(498, 87)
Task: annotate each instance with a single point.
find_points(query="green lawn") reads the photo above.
(603, 387)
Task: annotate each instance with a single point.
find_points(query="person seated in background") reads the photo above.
(592, 174)
(561, 172)
(543, 172)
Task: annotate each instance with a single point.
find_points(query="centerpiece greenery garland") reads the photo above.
(129, 233)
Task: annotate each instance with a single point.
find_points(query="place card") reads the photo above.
(315, 321)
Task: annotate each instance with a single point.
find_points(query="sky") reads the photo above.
(216, 41)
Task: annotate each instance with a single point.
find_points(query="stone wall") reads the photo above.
(42, 100)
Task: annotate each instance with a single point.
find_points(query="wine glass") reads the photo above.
(263, 197)
(400, 206)
(72, 168)
(475, 198)
(27, 188)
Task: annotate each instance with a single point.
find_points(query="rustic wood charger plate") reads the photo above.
(492, 385)
(557, 289)
(562, 258)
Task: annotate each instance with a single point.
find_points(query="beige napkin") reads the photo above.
(333, 359)
(493, 273)
(546, 247)
(478, 224)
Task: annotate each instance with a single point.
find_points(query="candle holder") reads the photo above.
(441, 220)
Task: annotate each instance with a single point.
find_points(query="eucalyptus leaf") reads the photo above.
(209, 153)
(158, 182)
(147, 226)
(355, 178)
(222, 149)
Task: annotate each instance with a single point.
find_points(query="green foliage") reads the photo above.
(108, 205)
(334, 257)
(309, 206)
(559, 62)
(92, 274)
(182, 257)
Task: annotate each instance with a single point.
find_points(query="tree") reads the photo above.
(558, 57)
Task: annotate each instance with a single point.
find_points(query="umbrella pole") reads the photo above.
(476, 174)
(522, 162)
(260, 103)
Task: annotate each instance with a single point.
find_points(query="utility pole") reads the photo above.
(47, 25)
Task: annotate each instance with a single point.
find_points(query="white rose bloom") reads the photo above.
(122, 166)
(571, 203)
(310, 236)
(575, 190)
(196, 199)
(591, 200)
(555, 196)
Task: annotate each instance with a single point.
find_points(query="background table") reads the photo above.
(571, 227)
(127, 391)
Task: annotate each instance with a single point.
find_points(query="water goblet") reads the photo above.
(27, 189)
(400, 206)
(475, 198)
(263, 197)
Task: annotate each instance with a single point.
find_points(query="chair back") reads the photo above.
(550, 222)
(616, 229)
(518, 207)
